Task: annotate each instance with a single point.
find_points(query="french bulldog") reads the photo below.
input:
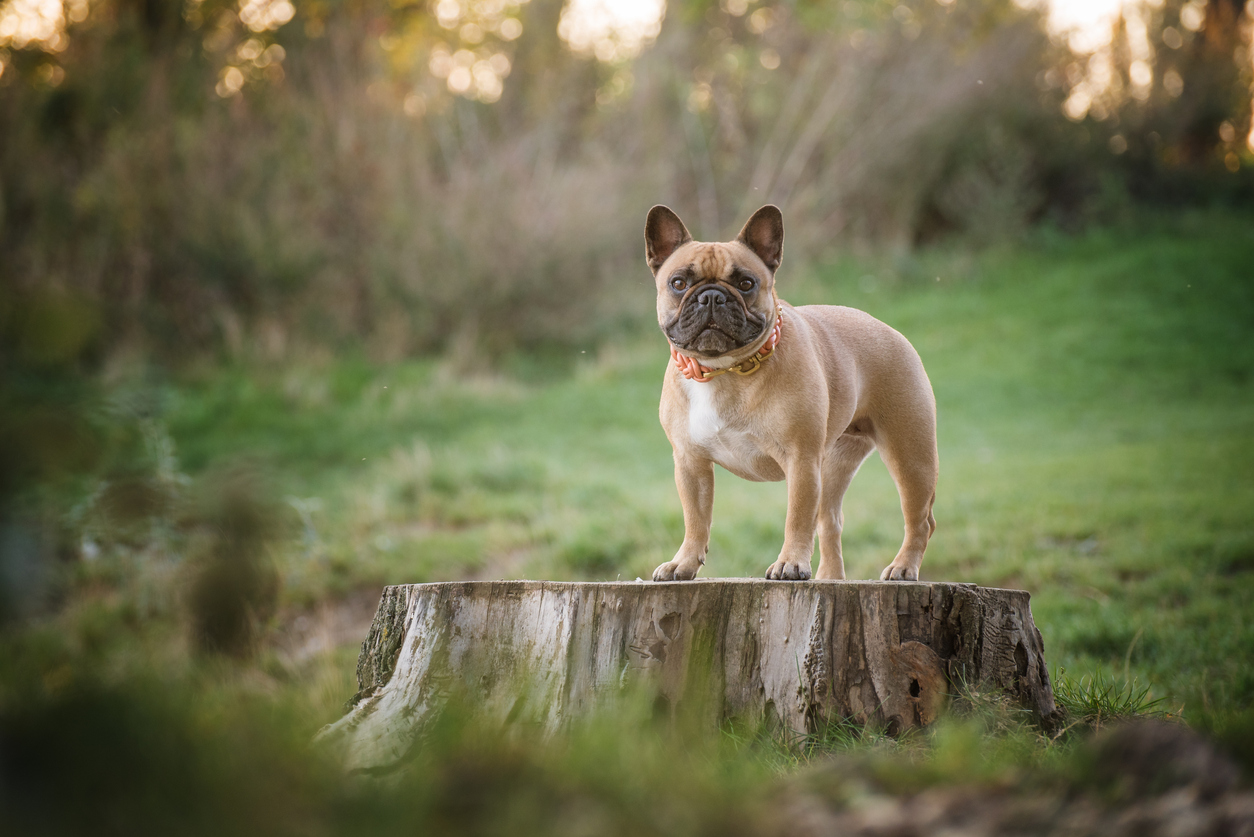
(772, 392)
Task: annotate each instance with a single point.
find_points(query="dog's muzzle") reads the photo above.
(714, 320)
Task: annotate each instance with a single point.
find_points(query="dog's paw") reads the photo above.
(786, 571)
(677, 571)
(895, 572)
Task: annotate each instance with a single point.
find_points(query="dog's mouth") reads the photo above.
(714, 322)
(712, 340)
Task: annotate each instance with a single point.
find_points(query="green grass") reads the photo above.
(1096, 700)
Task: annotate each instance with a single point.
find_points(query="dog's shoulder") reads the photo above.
(835, 315)
(845, 323)
(847, 334)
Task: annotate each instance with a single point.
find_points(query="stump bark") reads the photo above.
(793, 655)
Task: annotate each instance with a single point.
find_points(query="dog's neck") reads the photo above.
(745, 361)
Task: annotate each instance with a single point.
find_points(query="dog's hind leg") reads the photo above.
(912, 460)
(840, 464)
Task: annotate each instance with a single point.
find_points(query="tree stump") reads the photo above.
(793, 655)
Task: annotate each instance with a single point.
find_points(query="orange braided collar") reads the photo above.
(691, 369)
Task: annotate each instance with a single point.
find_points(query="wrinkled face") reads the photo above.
(710, 302)
(714, 298)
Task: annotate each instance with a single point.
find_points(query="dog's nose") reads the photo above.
(711, 297)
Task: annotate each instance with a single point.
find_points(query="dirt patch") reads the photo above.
(302, 635)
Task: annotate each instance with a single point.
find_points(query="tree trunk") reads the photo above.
(792, 655)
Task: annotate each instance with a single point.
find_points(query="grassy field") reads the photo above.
(1096, 437)
(1096, 419)
(1096, 426)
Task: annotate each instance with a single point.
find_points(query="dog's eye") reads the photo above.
(679, 283)
(747, 284)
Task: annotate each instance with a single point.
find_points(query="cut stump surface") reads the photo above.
(794, 655)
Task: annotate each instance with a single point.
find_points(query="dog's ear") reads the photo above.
(664, 233)
(764, 235)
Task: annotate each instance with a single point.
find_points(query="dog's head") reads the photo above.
(714, 299)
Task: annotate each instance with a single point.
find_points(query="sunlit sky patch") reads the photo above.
(32, 21)
(631, 23)
(612, 30)
(1090, 23)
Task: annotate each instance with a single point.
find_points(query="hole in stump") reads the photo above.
(661, 708)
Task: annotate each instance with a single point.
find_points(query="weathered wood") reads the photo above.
(791, 654)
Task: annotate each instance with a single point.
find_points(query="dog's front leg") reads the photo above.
(695, 479)
(804, 490)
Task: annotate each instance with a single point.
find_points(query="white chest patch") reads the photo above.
(729, 446)
(704, 423)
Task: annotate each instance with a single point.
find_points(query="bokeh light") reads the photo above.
(612, 30)
(40, 22)
(265, 15)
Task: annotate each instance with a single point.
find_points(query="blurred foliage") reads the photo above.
(235, 587)
(168, 755)
(273, 179)
(91, 490)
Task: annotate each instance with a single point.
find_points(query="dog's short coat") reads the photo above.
(838, 385)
